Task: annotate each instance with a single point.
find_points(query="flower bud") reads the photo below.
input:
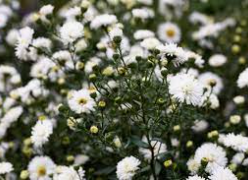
(108, 71)
(167, 163)
(204, 162)
(117, 40)
(80, 66)
(102, 104)
(92, 77)
(24, 174)
(94, 129)
(177, 128)
(70, 158)
(239, 100)
(235, 119)
(236, 49)
(189, 144)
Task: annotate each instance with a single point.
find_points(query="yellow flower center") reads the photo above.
(170, 32)
(82, 101)
(41, 171)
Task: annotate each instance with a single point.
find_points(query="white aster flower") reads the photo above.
(196, 177)
(12, 37)
(5, 167)
(159, 148)
(186, 89)
(24, 40)
(67, 173)
(169, 32)
(236, 142)
(41, 168)
(200, 125)
(217, 60)
(243, 79)
(81, 101)
(71, 31)
(173, 53)
(45, 11)
(143, 13)
(208, 78)
(64, 58)
(238, 158)
(143, 34)
(215, 155)
(94, 61)
(150, 43)
(127, 168)
(103, 20)
(221, 173)
(193, 166)
(41, 132)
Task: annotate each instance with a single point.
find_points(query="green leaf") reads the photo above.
(158, 167)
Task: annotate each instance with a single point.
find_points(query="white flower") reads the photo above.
(12, 37)
(159, 148)
(127, 168)
(186, 89)
(221, 173)
(4, 20)
(46, 10)
(150, 43)
(217, 60)
(196, 57)
(208, 78)
(10, 117)
(197, 17)
(196, 177)
(71, 31)
(24, 40)
(200, 126)
(169, 32)
(64, 58)
(238, 158)
(81, 45)
(67, 173)
(81, 101)
(46, 68)
(115, 32)
(103, 20)
(215, 155)
(236, 142)
(8, 77)
(5, 167)
(41, 168)
(143, 13)
(174, 53)
(43, 43)
(91, 64)
(40, 43)
(81, 159)
(41, 132)
(239, 99)
(143, 34)
(72, 13)
(193, 165)
(243, 79)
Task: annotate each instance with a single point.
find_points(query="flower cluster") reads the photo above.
(123, 89)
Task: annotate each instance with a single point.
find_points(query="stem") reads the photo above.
(151, 148)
